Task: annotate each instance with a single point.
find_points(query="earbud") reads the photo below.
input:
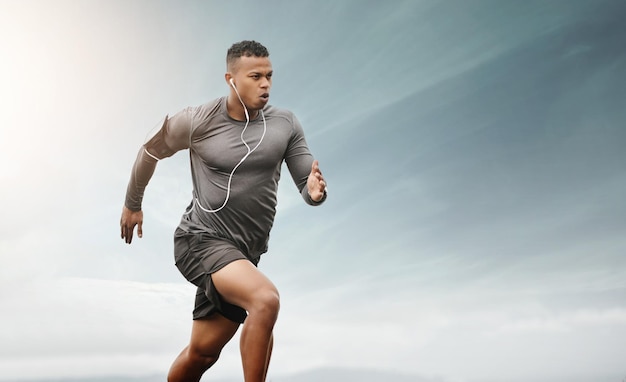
(232, 82)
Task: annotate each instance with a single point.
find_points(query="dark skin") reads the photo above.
(240, 282)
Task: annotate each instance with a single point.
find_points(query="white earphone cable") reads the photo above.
(249, 152)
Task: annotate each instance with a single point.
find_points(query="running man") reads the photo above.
(237, 144)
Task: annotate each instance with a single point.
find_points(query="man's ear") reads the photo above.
(228, 76)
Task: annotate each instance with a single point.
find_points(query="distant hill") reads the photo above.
(343, 375)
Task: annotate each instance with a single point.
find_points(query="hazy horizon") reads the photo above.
(342, 375)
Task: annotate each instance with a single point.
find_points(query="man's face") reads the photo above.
(253, 78)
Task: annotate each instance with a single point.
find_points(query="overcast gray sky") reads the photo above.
(475, 155)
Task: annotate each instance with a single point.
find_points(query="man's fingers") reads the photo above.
(129, 234)
(317, 174)
(316, 182)
(139, 229)
(315, 170)
(320, 177)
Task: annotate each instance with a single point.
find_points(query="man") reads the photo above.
(237, 145)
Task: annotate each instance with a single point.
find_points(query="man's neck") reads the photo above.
(236, 111)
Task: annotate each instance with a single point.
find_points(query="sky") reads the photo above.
(474, 151)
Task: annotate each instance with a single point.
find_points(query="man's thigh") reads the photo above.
(240, 283)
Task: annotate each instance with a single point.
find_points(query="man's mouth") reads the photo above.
(265, 96)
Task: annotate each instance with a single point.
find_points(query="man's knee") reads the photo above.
(202, 358)
(191, 364)
(266, 302)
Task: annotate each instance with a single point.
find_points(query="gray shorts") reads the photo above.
(197, 256)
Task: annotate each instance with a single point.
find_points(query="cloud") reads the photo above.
(419, 325)
(567, 322)
(93, 327)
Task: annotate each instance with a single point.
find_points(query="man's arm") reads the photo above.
(173, 136)
(132, 216)
(304, 169)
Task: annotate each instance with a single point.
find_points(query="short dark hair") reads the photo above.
(244, 48)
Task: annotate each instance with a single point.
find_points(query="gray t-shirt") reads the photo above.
(216, 147)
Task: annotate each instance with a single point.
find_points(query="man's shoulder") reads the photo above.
(206, 111)
(211, 106)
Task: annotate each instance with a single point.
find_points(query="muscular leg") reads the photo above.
(242, 284)
(208, 338)
(269, 355)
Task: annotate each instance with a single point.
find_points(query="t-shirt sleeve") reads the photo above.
(299, 161)
(173, 136)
